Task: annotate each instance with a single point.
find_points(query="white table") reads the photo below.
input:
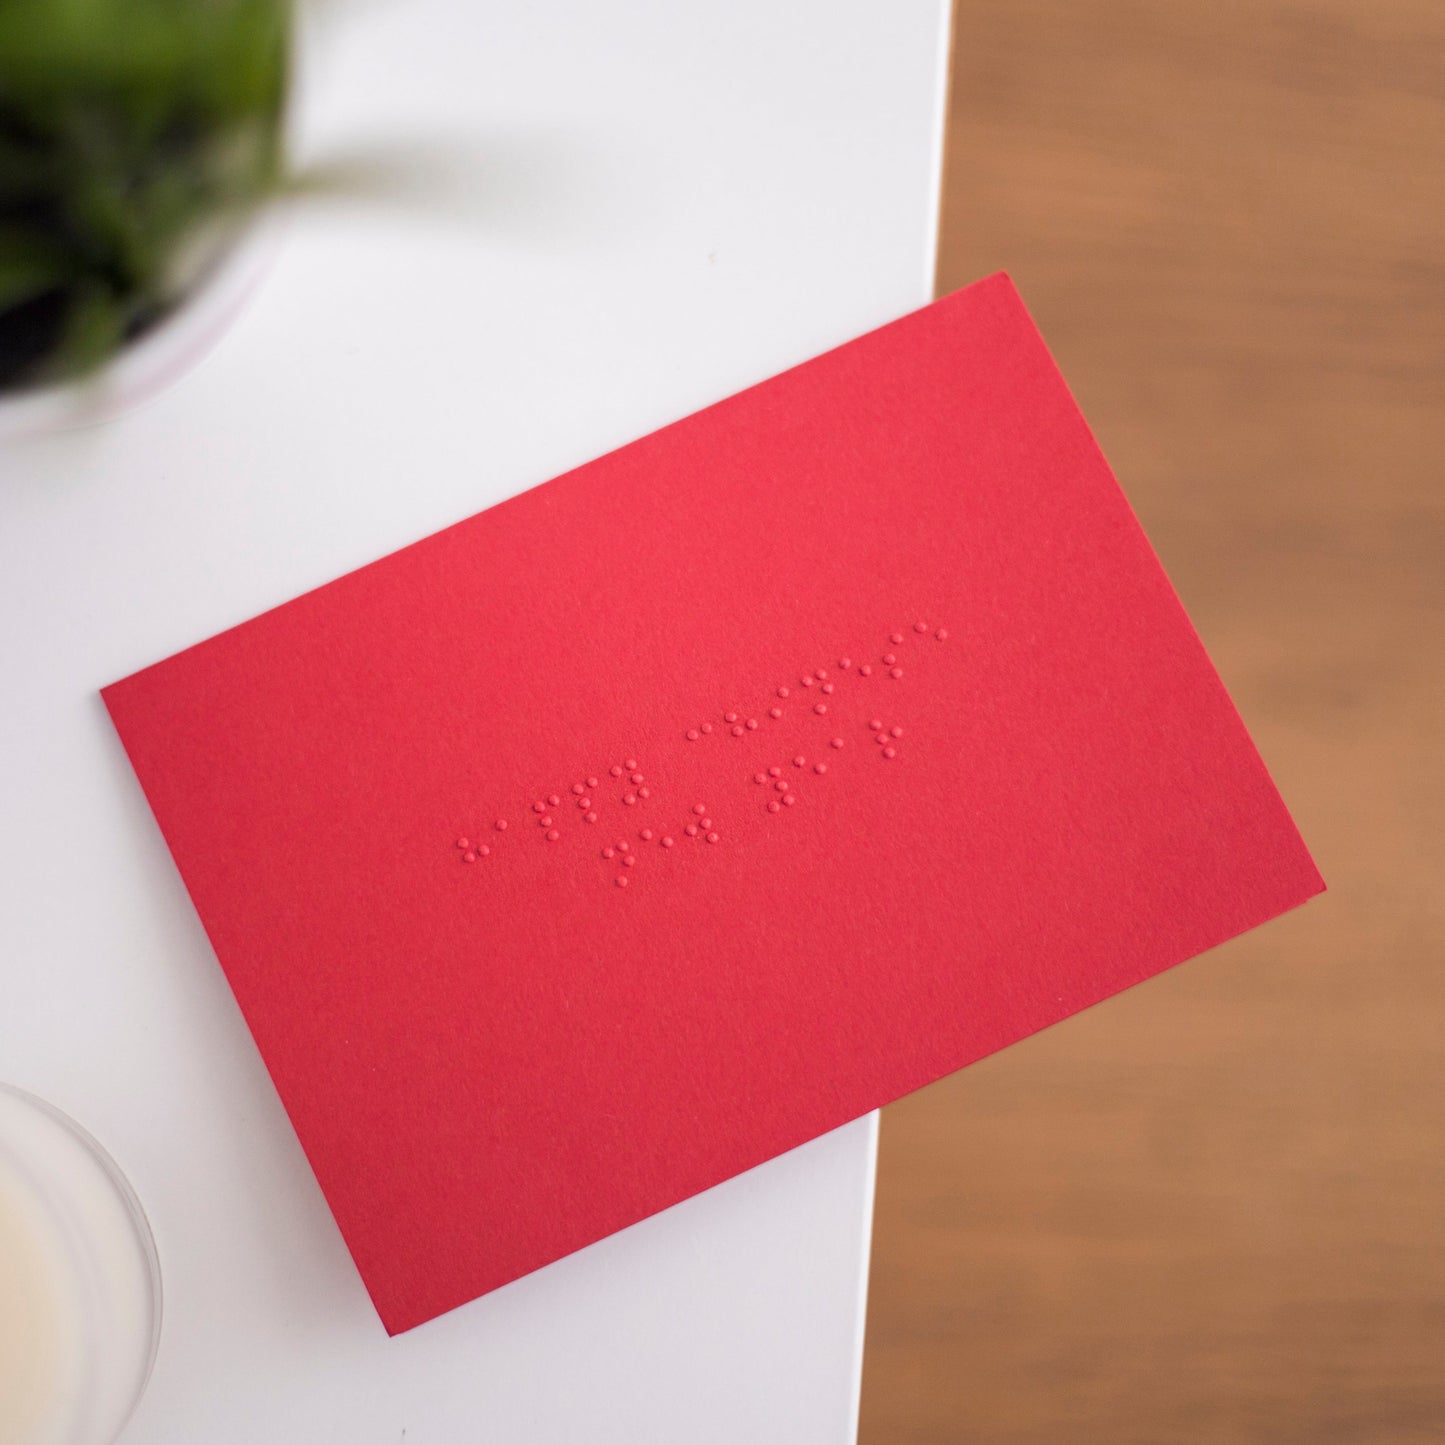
(613, 213)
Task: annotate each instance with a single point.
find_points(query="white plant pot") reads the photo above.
(147, 366)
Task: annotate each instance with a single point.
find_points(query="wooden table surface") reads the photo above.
(1213, 1210)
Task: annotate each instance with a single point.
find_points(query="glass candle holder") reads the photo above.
(80, 1292)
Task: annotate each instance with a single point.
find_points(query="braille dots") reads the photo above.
(483, 850)
(553, 800)
(895, 673)
(630, 765)
(590, 817)
(782, 692)
(623, 845)
(821, 674)
(820, 767)
(621, 880)
(609, 852)
(615, 771)
(706, 727)
(889, 659)
(775, 806)
(637, 777)
(895, 731)
(501, 825)
(874, 724)
(828, 688)
(807, 681)
(705, 825)
(890, 752)
(646, 835)
(799, 761)
(629, 860)
(693, 735)
(844, 663)
(579, 788)
(895, 638)
(712, 837)
(781, 785)
(730, 717)
(864, 670)
(920, 627)
(666, 840)
(644, 792)
(775, 713)
(584, 803)
(820, 708)
(464, 842)
(699, 808)
(630, 799)
(545, 821)
(775, 772)
(737, 730)
(789, 800)
(942, 634)
(540, 806)
(760, 777)
(469, 856)
(691, 830)
(837, 743)
(591, 782)
(752, 724)
(552, 835)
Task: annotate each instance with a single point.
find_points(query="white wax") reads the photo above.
(40, 1324)
(79, 1294)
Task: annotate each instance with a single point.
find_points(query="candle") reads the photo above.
(79, 1285)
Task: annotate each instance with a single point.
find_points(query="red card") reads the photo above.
(643, 827)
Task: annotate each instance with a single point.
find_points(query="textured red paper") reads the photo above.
(493, 1062)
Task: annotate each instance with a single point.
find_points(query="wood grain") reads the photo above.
(1211, 1210)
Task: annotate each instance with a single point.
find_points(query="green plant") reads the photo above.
(132, 132)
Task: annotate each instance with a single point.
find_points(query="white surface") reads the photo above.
(600, 216)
